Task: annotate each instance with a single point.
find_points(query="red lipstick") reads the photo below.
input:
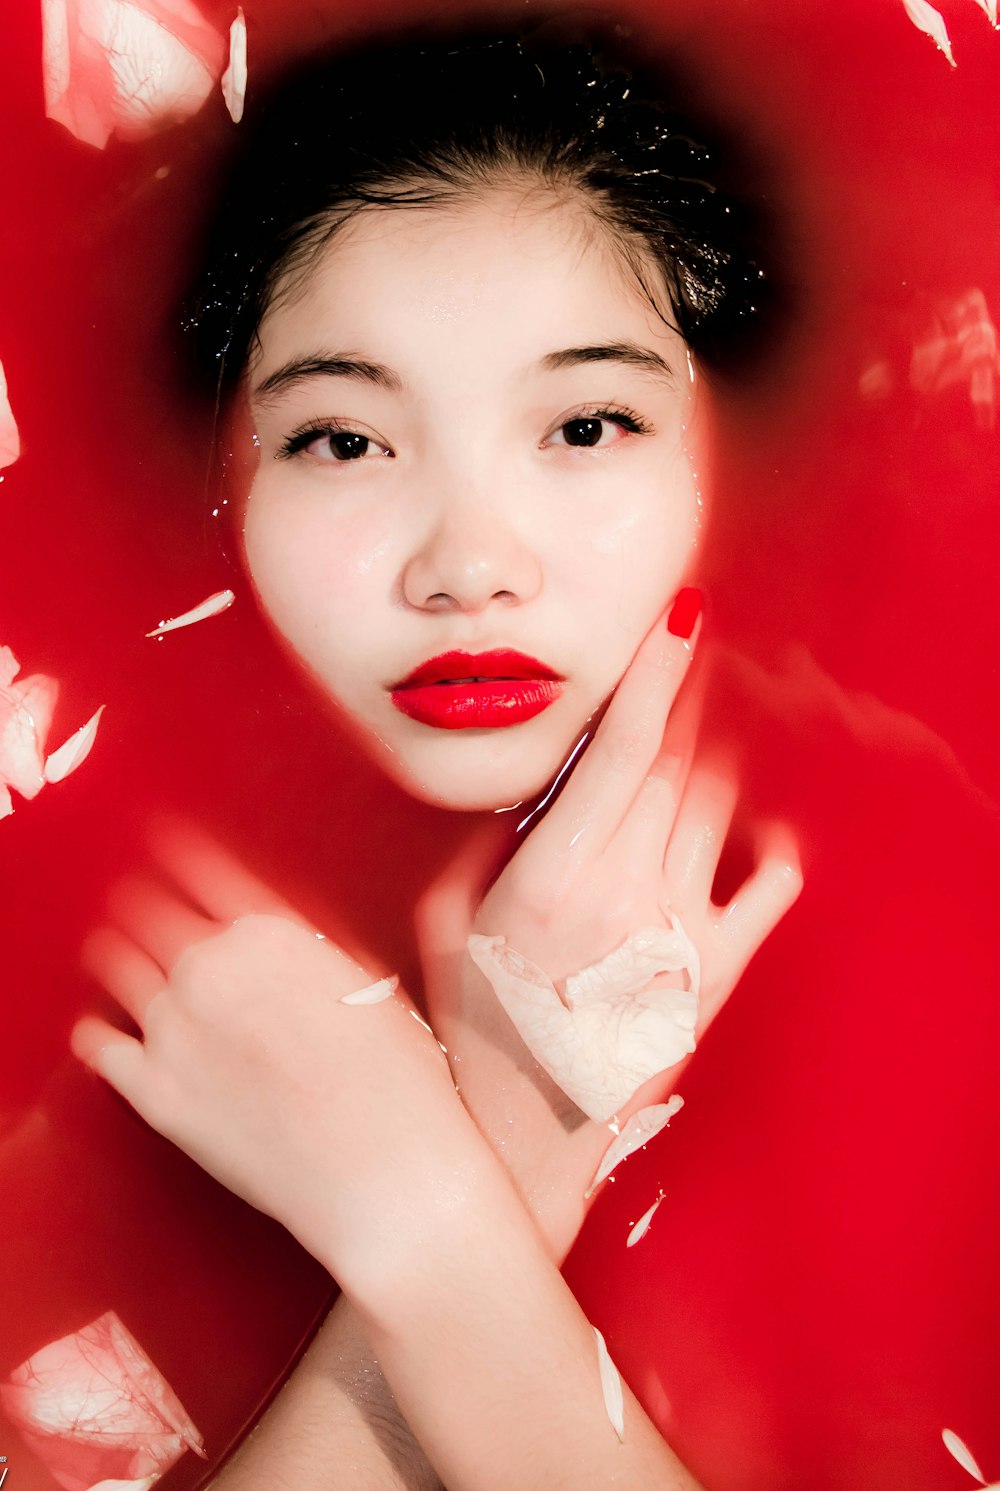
(477, 690)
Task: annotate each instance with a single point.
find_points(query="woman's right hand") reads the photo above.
(633, 842)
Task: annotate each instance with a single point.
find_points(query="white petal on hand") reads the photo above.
(375, 993)
(613, 1033)
(642, 1226)
(611, 1386)
(640, 1129)
(73, 752)
(640, 958)
(234, 79)
(930, 21)
(10, 440)
(960, 1450)
(214, 605)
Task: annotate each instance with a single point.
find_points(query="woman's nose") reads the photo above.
(470, 558)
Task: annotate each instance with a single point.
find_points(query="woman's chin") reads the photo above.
(475, 772)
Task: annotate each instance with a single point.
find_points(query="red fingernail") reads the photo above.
(684, 612)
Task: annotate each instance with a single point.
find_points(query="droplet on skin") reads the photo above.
(961, 1452)
(234, 79)
(373, 993)
(213, 606)
(642, 1226)
(638, 1131)
(73, 752)
(611, 1386)
(931, 22)
(10, 440)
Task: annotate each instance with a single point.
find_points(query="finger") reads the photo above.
(214, 879)
(628, 739)
(642, 838)
(759, 905)
(695, 846)
(112, 1054)
(127, 973)
(156, 920)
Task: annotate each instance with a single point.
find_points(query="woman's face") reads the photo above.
(475, 438)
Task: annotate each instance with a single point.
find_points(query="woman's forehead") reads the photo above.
(533, 269)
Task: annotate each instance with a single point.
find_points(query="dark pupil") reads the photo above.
(348, 447)
(583, 431)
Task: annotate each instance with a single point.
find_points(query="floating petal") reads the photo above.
(10, 440)
(73, 752)
(990, 7)
(234, 79)
(931, 22)
(145, 1484)
(93, 1407)
(640, 1129)
(374, 993)
(616, 1033)
(961, 1452)
(25, 716)
(611, 1386)
(642, 1226)
(6, 805)
(213, 606)
(128, 67)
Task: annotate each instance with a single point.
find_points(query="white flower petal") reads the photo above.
(95, 1395)
(6, 805)
(234, 79)
(73, 752)
(213, 606)
(145, 1484)
(25, 716)
(9, 667)
(990, 8)
(611, 1386)
(611, 1040)
(642, 1226)
(930, 21)
(640, 958)
(126, 66)
(961, 1452)
(10, 440)
(373, 993)
(638, 1131)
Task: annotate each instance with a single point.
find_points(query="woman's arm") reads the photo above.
(334, 1425)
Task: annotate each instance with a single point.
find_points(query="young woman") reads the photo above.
(460, 310)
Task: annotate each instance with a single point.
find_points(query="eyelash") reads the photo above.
(625, 419)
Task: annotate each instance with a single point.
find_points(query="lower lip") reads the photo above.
(487, 705)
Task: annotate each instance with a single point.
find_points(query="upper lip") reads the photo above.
(502, 662)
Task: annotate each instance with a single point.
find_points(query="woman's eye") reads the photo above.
(331, 445)
(590, 431)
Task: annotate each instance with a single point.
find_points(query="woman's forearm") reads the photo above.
(495, 1367)
(333, 1426)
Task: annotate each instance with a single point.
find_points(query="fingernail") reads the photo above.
(684, 612)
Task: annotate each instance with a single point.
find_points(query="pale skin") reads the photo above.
(444, 1214)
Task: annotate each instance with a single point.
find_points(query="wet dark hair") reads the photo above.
(434, 122)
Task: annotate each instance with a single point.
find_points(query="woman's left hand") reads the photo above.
(633, 843)
(327, 1116)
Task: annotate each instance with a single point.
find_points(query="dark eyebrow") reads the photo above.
(319, 366)
(629, 353)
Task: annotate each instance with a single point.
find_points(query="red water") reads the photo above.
(819, 1293)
